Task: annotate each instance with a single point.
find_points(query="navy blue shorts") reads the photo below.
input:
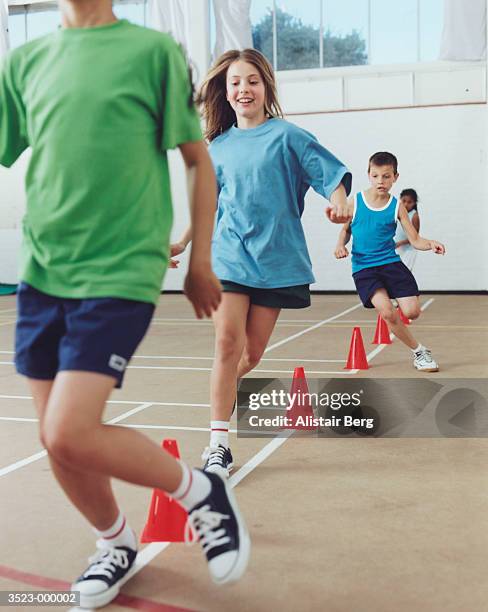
(91, 335)
(297, 296)
(395, 277)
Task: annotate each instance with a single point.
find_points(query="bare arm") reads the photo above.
(341, 210)
(344, 237)
(416, 224)
(201, 285)
(422, 244)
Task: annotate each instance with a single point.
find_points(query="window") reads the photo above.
(295, 34)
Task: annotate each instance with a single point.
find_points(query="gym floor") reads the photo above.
(337, 525)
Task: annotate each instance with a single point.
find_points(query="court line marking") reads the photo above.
(185, 358)
(129, 425)
(28, 397)
(35, 457)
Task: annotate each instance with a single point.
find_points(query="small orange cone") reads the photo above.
(300, 413)
(405, 320)
(382, 334)
(357, 355)
(167, 519)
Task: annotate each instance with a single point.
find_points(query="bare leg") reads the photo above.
(74, 435)
(261, 321)
(230, 335)
(410, 306)
(91, 493)
(383, 305)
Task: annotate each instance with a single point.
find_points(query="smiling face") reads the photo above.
(382, 178)
(246, 92)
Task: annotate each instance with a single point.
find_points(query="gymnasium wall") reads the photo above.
(442, 153)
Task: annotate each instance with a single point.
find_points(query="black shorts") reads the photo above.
(297, 296)
(91, 335)
(395, 277)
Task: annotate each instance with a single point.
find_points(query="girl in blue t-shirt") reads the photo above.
(264, 167)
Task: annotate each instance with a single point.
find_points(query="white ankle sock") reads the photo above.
(219, 433)
(194, 487)
(119, 534)
(419, 348)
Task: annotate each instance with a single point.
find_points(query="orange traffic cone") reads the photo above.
(300, 414)
(357, 355)
(405, 320)
(167, 519)
(382, 334)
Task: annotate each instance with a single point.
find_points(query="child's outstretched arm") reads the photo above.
(419, 243)
(202, 287)
(416, 224)
(176, 248)
(341, 209)
(344, 237)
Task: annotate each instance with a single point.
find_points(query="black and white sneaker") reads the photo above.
(220, 528)
(218, 460)
(107, 572)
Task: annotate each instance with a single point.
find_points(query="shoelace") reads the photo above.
(203, 524)
(216, 456)
(105, 562)
(426, 354)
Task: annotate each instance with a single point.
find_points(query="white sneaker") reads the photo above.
(218, 460)
(423, 361)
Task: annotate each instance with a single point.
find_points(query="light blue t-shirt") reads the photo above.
(263, 174)
(373, 231)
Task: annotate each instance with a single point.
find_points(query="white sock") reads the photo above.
(194, 487)
(119, 534)
(419, 348)
(219, 433)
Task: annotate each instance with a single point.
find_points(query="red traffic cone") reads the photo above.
(382, 334)
(356, 359)
(299, 413)
(167, 519)
(405, 320)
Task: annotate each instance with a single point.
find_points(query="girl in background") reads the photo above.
(409, 199)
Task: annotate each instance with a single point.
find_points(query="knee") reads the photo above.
(389, 314)
(227, 346)
(62, 443)
(412, 312)
(251, 357)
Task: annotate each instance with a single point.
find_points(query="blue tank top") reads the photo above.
(373, 231)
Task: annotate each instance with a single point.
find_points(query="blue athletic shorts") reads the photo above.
(91, 335)
(395, 277)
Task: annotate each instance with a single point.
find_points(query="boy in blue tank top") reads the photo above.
(377, 270)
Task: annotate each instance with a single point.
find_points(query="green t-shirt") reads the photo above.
(99, 107)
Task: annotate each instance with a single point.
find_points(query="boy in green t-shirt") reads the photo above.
(100, 102)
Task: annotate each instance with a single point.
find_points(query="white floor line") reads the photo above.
(18, 464)
(183, 404)
(312, 328)
(19, 419)
(380, 347)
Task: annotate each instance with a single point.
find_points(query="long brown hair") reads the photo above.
(218, 114)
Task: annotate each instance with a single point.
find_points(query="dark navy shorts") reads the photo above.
(297, 296)
(395, 277)
(91, 335)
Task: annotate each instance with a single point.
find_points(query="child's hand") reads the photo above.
(437, 247)
(338, 213)
(203, 289)
(175, 249)
(340, 252)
